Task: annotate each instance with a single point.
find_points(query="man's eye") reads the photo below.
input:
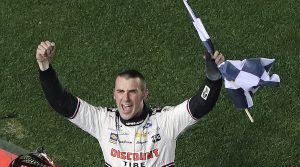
(133, 91)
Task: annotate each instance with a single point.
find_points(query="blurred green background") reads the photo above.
(97, 39)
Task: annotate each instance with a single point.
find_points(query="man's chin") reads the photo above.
(125, 116)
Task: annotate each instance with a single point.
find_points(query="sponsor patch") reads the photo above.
(156, 138)
(121, 132)
(148, 125)
(125, 142)
(141, 134)
(113, 138)
(205, 92)
(134, 156)
(141, 142)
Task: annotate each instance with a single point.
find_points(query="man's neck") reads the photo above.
(139, 118)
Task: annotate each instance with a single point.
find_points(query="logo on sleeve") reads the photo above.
(155, 138)
(205, 92)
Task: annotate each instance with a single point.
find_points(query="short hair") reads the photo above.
(133, 74)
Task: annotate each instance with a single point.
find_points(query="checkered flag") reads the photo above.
(243, 78)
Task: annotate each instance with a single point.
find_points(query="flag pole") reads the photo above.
(249, 115)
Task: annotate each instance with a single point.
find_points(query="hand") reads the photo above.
(211, 65)
(44, 52)
(218, 57)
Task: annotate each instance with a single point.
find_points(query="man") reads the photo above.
(131, 135)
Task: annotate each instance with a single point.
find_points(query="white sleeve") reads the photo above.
(89, 118)
(175, 119)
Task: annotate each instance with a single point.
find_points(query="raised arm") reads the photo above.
(177, 118)
(61, 101)
(208, 93)
(87, 117)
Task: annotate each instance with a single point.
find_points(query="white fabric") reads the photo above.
(154, 139)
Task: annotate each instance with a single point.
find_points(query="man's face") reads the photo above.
(129, 96)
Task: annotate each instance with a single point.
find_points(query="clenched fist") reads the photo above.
(211, 65)
(218, 57)
(44, 52)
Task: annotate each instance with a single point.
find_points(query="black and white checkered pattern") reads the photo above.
(242, 78)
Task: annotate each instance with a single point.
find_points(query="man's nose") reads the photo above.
(126, 96)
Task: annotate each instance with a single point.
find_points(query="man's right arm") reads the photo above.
(61, 101)
(85, 116)
(79, 112)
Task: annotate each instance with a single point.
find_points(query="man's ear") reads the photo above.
(113, 93)
(145, 93)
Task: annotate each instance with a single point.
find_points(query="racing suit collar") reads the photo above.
(138, 120)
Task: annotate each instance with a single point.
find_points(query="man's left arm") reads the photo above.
(208, 93)
(176, 119)
(205, 99)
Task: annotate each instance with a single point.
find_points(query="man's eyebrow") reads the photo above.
(129, 90)
(133, 90)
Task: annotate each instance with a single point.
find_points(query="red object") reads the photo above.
(6, 157)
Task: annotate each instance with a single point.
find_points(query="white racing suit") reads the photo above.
(149, 140)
